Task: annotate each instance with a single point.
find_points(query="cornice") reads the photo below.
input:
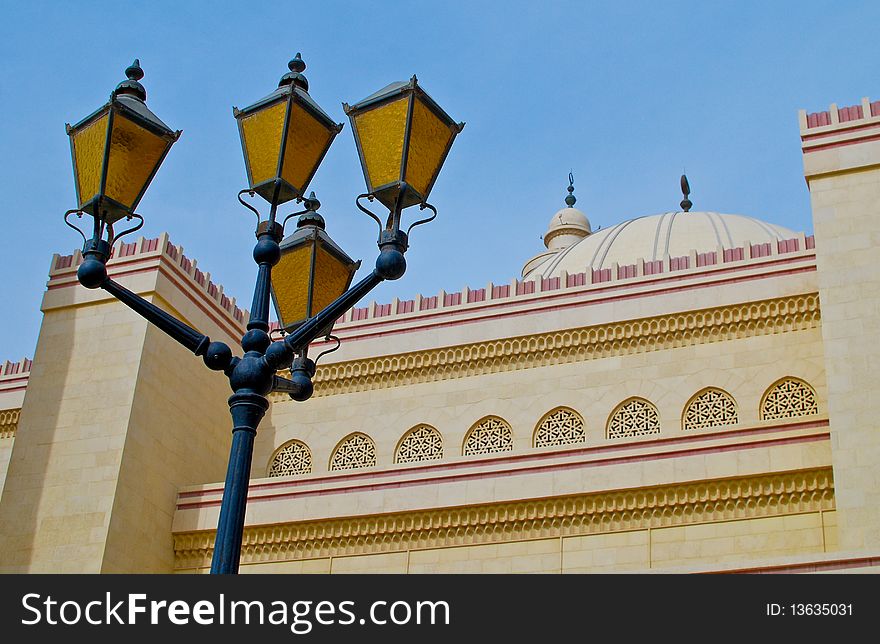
(784, 493)
(735, 321)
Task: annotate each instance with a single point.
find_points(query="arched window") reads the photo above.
(354, 452)
(421, 443)
(291, 459)
(633, 417)
(789, 398)
(710, 407)
(561, 426)
(490, 435)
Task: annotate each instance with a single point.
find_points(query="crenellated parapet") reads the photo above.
(521, 291)
(841, 139)
(14, 378)
(851, 116)
(159, 253)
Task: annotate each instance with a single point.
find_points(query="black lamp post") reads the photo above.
(403, 138)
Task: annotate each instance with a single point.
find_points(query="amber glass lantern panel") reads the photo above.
(381, 132)
(135, 155)
(429, 141)
(88, 157)
(290, 284)
(261, 135)
(332, 278)
(307, 141)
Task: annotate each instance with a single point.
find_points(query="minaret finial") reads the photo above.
(686, 191)
(570, 199)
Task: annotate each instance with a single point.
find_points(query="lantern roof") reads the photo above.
(397, 88)
(129, 97)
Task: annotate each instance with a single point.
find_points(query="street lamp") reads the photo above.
(117, 151)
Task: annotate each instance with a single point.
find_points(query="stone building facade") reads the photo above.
(689, 391)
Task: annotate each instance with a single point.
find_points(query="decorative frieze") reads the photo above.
(591, 513)
(9, 422)
(689, 328)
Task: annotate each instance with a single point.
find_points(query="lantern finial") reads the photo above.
(295, 76)
(132, 87)
(311, 216)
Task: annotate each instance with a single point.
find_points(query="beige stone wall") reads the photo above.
(757, 330)
(842, 167)
(739, 328)
(13, 381)
(744, 368)
(115, 417)
(55, 509)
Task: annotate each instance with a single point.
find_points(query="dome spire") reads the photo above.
(570, 199)
(685, 190)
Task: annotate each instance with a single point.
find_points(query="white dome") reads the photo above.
(653, 237)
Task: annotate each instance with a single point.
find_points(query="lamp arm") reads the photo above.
(183, 333)
(282, 385)
(316, 325)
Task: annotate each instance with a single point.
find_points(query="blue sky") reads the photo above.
(625, 94)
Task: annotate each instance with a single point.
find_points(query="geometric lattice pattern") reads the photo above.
(635, 417)
(789, 398)
(292, 459)
(561, 427)
(355, 452)
(490, 436)
(710, 408)
(422, 443)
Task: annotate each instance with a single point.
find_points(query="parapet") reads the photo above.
(125, 258)
(841, 139)
(14, 378)
(640, 270)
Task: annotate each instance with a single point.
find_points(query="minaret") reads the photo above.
(567, 227)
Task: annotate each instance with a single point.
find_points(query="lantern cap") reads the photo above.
(311, 217)
(295, 76)
(129, 97)
(291, 83)
(395, 89)
(132, 87)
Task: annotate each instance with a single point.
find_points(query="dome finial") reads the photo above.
(570, 199)
(685, 190)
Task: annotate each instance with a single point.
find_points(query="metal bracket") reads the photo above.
(247, 205)
(336, 348)
(114, 237)
(422, 206)
(374, 216)
(79, 214)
